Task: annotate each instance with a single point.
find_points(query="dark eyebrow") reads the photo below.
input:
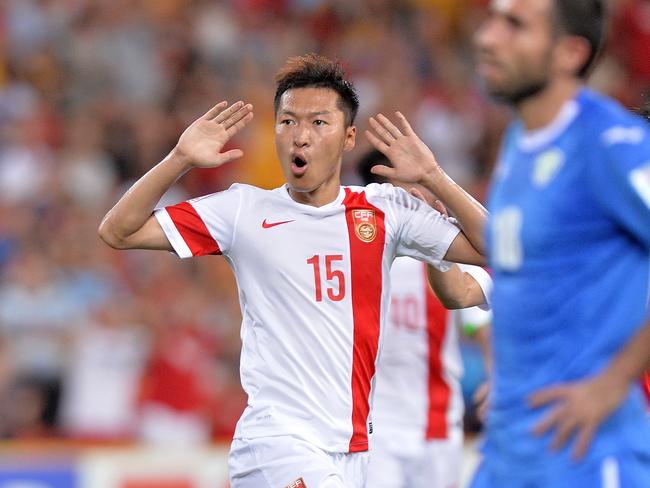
(513, 20)
(507, 15)
(312, 114)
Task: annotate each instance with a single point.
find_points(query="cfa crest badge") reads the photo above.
(364, 224)
(299, 483)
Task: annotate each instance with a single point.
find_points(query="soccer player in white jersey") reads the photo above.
(311, 260)
(418, 404)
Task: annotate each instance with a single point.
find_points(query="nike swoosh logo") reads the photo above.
(267, 225)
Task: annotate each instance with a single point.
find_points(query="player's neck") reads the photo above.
(322, 195)
(540, 110)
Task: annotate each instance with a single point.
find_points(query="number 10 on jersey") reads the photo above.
(335, 279)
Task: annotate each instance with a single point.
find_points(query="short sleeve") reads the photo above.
(424, 234)
(621, 179)
(201, 226)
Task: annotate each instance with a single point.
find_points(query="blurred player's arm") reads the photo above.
(130, 223)
(482, 395)
(476, 324)
(483, 339)
(414, 162)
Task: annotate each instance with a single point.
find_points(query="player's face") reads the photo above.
(515, 49)
(310, 138)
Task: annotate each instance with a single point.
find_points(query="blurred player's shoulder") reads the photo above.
(615, 123)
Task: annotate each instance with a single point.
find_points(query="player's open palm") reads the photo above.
(202, 142)
(412, 160)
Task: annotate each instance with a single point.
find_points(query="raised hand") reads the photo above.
(201, 143)
(413, 161)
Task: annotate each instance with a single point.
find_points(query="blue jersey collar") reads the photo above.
(530, 141)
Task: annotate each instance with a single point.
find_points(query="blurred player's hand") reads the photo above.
(201, 143)
(578, 409)
(413, 161)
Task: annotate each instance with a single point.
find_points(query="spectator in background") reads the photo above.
(104, 367)
(37, 315)
(178, 391)
(632, 42)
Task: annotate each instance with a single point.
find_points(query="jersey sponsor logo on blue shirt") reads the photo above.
(547, 166)
(622, 135)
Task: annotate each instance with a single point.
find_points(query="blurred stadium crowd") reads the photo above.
(101, 345)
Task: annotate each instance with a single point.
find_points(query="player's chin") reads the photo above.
(300, 185)
(299, 181)
(494, 82)
(500, 93)
(493, 85)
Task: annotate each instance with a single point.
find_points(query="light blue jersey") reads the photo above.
(569, 240)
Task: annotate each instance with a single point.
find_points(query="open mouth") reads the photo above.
(299, 162)
(298, 165)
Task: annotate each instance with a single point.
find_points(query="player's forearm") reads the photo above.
(455, 288)
(447, 286)
(134, 208)
(631, 362)
(471, 215)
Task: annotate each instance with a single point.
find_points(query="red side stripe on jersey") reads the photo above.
(439, 391)
(646, 386)
(366, 281)
(193, 229)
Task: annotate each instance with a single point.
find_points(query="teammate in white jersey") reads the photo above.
(312, 264)
(418, 405)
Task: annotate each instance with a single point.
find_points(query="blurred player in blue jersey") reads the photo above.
(645, 381)
(569, 240)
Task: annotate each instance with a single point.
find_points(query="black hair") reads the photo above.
(586, 19)
(314, 71)
(370, 159)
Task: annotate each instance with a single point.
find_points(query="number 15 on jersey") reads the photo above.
(334, 278)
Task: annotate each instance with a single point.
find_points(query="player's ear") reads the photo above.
(350, 138)
(573, 53)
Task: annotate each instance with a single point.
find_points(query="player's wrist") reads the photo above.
(614, 382)
(433, 178)
(180, 159)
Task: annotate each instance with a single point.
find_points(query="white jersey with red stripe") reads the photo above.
(314, 291)
(418, 395)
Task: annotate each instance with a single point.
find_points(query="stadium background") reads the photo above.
(115, 361)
